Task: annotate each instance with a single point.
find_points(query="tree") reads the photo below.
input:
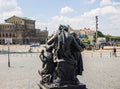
(107, 37)
(99, 34)
(86, 39)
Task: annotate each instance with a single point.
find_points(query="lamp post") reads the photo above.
(8, 41)
(8, 55)
(96, 17)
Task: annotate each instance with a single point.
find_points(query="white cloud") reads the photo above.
(9, 8)
(108, 2)
(75, 22)
(40, 25)
(102, 11)
(108, 20)
(66, 9)
(90, 1)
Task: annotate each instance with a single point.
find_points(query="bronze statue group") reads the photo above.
(62, 59)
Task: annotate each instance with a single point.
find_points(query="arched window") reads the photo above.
(13, 34)
(3, 34)
(10, 35)
(6, 35)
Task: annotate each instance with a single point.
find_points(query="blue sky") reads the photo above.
(51, 8)
(77, 13)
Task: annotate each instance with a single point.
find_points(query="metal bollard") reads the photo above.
(92, 54)
(100, 54)
(110, 54)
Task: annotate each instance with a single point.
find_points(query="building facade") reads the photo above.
(21, 31)
(82, 32)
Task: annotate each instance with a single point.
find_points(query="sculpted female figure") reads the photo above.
(64, 45)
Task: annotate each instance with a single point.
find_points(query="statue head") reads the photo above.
(63, 28)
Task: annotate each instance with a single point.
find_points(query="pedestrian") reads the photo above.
(114, 52)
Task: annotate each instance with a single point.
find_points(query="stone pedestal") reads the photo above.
(80, 86)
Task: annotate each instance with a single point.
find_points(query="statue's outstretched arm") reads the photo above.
(52, 40)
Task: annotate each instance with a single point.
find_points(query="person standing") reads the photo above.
(114, 52)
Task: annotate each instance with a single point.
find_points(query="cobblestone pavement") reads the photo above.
(99, 72)
(22, 74)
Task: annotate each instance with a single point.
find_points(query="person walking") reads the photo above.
(114, 52)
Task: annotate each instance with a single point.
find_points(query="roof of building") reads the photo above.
(23, 18)
(87, 30)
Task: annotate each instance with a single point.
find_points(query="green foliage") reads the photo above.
(86, 36)
(114, 37)
(87, 40)
(107, 37)
(99, 34)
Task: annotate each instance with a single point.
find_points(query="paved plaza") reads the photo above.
(101, 69)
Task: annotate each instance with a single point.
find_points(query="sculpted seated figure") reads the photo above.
(48, 66)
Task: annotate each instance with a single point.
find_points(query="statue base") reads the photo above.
(80, 86)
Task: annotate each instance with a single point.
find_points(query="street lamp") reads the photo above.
(97, 46)
(8, 41)
(96, 17)
(8, 55)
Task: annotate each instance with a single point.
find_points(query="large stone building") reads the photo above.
(21, 31)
